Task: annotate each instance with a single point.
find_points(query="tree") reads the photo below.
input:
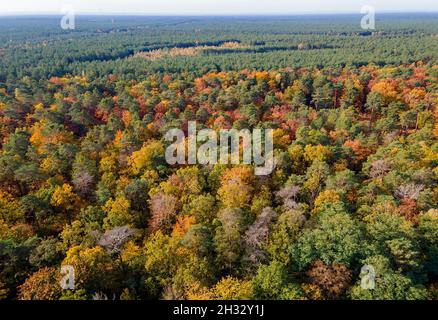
(379, 168)
(428, 227)
(389, 284)
(147, 158)
(47, 253)
(315, 177)
(41, 285)
(64, 198)
(202, 207)
(229, 237)
(114, 239)
(236, 187)
(14, 262)
(284, 234)
(273, 283)
(10, 211)
(374, 104)
(326, 197)
(336, 238)
(230, 288)
(256, 237)
(137, 193)
(322, 96)
(118, 213)
(93, 269)
(84, 182)
(352, 94)
(172, 265)
(163, 211)
(333, 279)
(289, 196)
(83, 174)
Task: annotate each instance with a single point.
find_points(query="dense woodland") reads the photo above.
(84, 182)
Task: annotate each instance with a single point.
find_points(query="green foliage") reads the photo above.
(389, 285)
(83, 116)
(333, 238)
(272, 283)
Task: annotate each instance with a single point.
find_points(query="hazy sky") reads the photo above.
(201, 7)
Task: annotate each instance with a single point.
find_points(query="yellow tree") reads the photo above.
(65, 199)
(144, 159)
(92, 267)
(118, 212)
(41, 285)
(10, 211)
(236, 187)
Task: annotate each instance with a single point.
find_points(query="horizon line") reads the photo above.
(194, 14)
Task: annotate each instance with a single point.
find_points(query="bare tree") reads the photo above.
(83, 182)
(102, 296)
(228, 237)
(289, 196)
(114, 239)
(163, 209)
(170, 293)
(257, 234)
(379, 168)
(409, 191)
(333, 279)
(390, 137)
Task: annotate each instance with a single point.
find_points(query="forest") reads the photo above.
(84, 181)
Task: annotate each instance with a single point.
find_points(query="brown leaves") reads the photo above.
(257, 235)
(41, 285)
(333, 279)
(163, 209)
(409, 191)
(360, 151)
(379, 168)
(114, 239)
(236, 187)
(409, 209)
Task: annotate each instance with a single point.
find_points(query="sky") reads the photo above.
(211, 7)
